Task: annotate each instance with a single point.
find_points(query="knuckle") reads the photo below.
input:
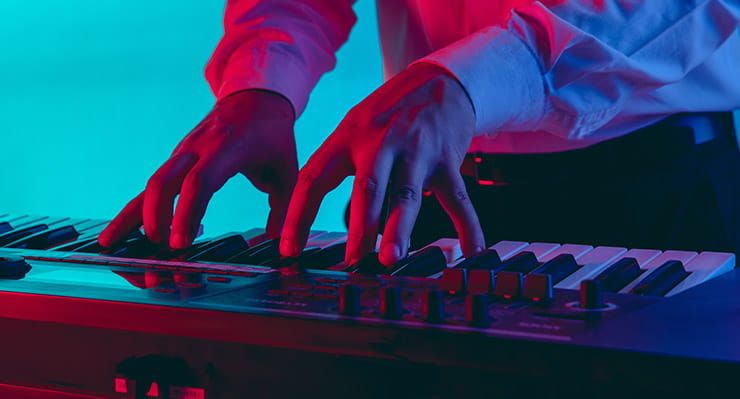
(461, 195)
(197, 179)
(406, 193)
(368, 185)
(157, 182)
(307, 176)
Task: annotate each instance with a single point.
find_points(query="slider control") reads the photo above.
(509, 284)
(349, 300)
(591, 295)
(433, 310)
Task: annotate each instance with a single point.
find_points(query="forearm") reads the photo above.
(279, 46)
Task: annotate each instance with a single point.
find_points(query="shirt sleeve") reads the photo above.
(279, 45)
(570, 66)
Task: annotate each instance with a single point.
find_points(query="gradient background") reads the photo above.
(94, 95)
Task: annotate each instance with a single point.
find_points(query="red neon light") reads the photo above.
(536, 299)
(486, 182)
(507, 296)
(478, 159)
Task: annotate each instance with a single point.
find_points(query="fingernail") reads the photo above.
(179, 241)
(477, 250)
(390, 253)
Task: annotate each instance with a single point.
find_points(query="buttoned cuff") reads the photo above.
(266, 70)
(501, 76)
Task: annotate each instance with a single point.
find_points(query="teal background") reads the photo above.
(94, 95)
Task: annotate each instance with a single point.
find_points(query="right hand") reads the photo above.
(249, 132)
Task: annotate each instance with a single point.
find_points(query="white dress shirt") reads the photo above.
(543, 76)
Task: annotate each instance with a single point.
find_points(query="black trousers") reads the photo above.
(654, 188)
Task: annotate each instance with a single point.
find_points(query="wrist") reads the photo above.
(265, 102)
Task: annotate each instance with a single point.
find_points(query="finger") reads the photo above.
(368, 194)
(405, 202)
(321, 174)
(128, 219)
(198, 186)
(279, 192)
(454, 198)
(160, 193)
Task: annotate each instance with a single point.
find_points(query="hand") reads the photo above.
(250, 132)
(410, 134)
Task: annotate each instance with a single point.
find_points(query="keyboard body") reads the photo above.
(106, 326)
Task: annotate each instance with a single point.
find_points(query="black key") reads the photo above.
(17, 234)
(523, 262)
(324, 258)
(370, 265)
(47, 238)
(92, 246)
(619, 274)
(662, 280)
(69, 247)
(137, 248)
(5, 227)
(487, 259)
(220, 250)
(558, 267)
(292, 261)
(423, 263)
(263, 252)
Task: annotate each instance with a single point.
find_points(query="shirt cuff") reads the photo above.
(501, 76)
(270, 71)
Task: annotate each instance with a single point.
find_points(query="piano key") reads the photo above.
(28, 220)
(263, 252)
(619, 274)
(47, 238)
(577, 250)
(559, 267)
(19, 233)
(592, 262)
(219, 250)
(324, 258)
(5, 227)
(488, 259)
(505, 249)
(80, 242)
(703, 267)
(665, 277)
(539, 249)
(641, 256)
(137, 248)
(450, 248)
(422, 263)
(369, 265)
(522, 262)
(650, 267)
(90, 226)
(326, 239)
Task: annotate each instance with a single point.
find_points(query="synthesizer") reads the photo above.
(229, 318)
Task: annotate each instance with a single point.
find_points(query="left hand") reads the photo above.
(411, 134)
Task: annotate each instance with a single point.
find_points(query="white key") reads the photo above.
(450, 248)
(703, 267)
(326, 239)
(591, 263)
(682, 256)
(577, 250)
(539, 249)
(505, 249)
